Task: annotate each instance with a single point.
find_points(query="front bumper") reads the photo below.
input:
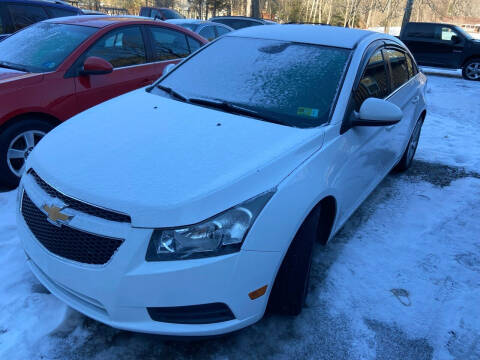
(119, 292)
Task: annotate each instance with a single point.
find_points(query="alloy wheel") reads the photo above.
(412, 146)
(19, 149)
(472, 71)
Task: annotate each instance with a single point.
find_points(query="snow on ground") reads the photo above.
(400, 281)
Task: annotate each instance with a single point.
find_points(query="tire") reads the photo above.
(407, 157)
(16, 143)
(290, 289)
(471, 70)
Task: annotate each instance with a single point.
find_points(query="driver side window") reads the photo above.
(374, 81)
(447, 33)
(123, 47)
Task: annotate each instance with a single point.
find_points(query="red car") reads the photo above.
(57, 68)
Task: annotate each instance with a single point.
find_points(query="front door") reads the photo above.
(366, 148)
(448, 47)
(124, 48)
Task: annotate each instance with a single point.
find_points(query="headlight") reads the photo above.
(222, 234)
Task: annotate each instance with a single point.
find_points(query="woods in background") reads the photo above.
(348, 13)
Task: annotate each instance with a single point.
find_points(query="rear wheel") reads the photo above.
(409, 153)
(16, 143)
(290, 289)
(471, 70)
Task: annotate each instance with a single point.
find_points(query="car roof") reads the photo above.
(195, 21)
(312, 34)
(100, 21)
(237, 17)
(186, 21)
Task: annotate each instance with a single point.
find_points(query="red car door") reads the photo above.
(125, 49)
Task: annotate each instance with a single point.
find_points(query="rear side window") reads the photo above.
(25, 15)
(412, 69)
(2, 29)
(423, 31)
(193, 44)
(208, 33)
(221, 30)
(398, 67)
(374, 81)
(123, 47)
(168, 44)
(57, 12)
(237, 23)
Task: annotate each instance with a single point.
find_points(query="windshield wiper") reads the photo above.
(6, 65)
(233, 109)
(172, 93)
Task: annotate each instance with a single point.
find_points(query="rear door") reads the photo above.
(420, 39)
(125, 49)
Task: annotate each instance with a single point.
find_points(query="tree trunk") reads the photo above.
(329, 18)
(347, 13)
(369, 16)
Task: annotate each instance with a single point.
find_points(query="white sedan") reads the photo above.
(187, 207)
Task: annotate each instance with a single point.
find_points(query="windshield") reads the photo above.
(463, 32)
(292, 83)
(42, 47)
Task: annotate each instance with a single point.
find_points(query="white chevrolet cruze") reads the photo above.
(188, 207)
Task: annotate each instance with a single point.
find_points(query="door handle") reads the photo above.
(416, 99)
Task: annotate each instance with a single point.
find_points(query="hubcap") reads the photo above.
(19, 149)
(412, 147)
(473, 70)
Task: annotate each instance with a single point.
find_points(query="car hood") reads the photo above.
(8, 75)
(167, 163)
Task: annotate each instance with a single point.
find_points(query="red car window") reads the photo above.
(122, 47)
(168, 44)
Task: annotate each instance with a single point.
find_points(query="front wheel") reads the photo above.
(407, 158)
(16, 143)
(471, 70)
(291, 284)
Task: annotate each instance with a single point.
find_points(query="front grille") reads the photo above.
(78, 205)
(194, 314)
(65, 241)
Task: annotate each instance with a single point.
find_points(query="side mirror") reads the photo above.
(455, 39)
(377, 112)
(96, 66)
(167, 69)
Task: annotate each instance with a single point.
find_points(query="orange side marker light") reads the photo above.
(257, 293)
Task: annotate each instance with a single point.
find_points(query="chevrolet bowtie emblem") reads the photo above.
(55, 216)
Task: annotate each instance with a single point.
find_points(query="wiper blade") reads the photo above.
(233, 109)
(172, 93)
(6, 65)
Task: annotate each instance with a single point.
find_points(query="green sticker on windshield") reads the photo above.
(304, 111)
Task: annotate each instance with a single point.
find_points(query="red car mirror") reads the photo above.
(96, 66)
